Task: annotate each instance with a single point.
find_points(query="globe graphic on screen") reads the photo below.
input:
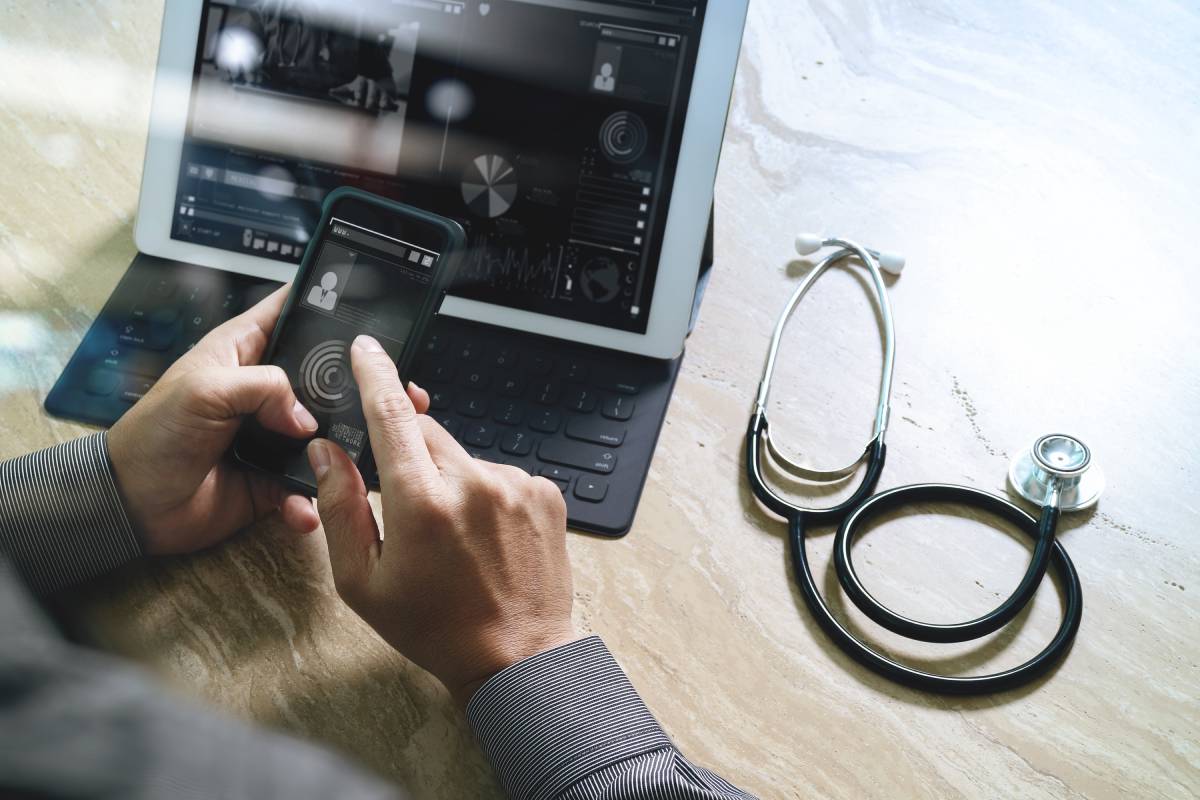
(600, 279)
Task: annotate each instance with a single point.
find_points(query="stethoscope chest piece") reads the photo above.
(1057, 459)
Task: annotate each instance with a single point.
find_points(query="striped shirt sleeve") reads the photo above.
(61, 518)
(568, 725)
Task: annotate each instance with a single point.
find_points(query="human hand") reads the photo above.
(473, 574)
(368, 93)
(169, 451)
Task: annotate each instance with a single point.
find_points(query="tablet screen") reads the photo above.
(548, 128)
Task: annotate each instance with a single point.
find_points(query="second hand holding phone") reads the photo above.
(374, 267)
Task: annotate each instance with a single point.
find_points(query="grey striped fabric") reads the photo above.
(61, 518)
(568, 724)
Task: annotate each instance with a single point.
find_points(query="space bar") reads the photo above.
(579, 456)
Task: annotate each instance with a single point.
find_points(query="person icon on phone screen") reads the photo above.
(324, 297)
(605, 81)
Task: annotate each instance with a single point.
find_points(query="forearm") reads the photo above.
(61, 518)
(567, 724)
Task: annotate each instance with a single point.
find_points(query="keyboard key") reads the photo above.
(134, 387)
(593, 490)
(540, 365)
(449, 423)
(581, 399)
(547, 392)
(434, 344)
(618, 407)
(441, 373)
(517, 443)
(161, 289)
(596, 431)
(473, 405)
(512, 387)
(164, 316)
(439, 400)
(197, 325)
(102, 382)
(196, 293)
(474, 379)
(623, 385)
(546, 421)
(556, 474)
(467, 351)
(139, 333)
(505, 358)
(156, 316)
(577, 455)
(231, 304)
(510, 413)
(577, 371)
(479, 434)
(134, 332)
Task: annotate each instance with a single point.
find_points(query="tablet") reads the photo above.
(576, 141)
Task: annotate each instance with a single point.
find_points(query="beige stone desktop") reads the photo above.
(1038, 166)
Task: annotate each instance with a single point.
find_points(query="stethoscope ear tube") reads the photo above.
(914, 678)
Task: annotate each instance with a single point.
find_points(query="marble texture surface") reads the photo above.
(1036, 161)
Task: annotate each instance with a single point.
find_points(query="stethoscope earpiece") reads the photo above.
(809, 243)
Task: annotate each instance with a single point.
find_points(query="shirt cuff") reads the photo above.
(61, 517)
(552, 720)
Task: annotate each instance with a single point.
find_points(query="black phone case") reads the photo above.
(456, 240)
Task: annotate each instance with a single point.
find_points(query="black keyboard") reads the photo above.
(158, 312)
(586, 418)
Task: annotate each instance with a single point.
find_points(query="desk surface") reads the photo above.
(1037, 164)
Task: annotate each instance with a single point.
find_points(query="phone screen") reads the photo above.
(368, 272)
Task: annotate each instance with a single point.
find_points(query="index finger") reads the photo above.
(391, 419)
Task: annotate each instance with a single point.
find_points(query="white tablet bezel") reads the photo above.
(687, 218)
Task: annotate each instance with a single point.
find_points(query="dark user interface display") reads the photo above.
(548, 128)
(361, 282)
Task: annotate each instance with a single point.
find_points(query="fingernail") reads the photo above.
(368, 344)
(304, 417)
(412, 386)
(319, 457)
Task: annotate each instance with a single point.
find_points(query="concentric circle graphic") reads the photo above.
(623, 137)
(325, 378)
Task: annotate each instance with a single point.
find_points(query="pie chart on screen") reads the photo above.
(489, 186)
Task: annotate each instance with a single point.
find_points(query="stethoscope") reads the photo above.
(1056, 473)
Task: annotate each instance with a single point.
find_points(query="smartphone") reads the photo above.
(373, 266)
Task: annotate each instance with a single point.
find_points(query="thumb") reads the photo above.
(346, 516)
(264, 391)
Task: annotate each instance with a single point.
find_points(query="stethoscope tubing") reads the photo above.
(859, 508)
(1041, 529)
(914, 678)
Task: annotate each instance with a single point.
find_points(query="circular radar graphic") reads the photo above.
(325, 377)
(489, 186)
(600, 279)
(623, 137)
